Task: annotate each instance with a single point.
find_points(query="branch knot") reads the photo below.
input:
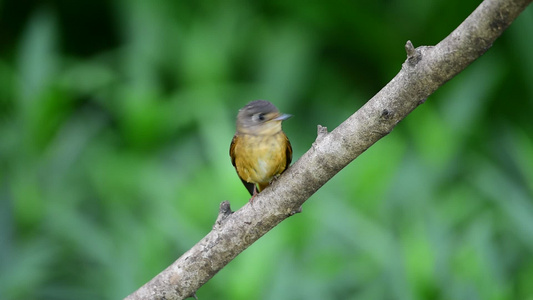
(321, 132)
(413, 55)
(223, 213)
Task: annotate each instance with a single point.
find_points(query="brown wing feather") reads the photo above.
(232, 150)
(288, 153)
(247, 185)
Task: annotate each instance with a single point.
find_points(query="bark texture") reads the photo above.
(423, 72)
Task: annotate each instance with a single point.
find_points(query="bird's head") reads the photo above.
(260, 117)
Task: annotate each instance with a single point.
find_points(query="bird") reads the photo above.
(260, 151)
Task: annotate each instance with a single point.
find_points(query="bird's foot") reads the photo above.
(275, 178)
(253, 196)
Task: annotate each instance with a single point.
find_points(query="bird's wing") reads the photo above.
(288, 153)
(247, 185)
(232, 150)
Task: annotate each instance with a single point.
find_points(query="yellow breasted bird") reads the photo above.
(260, 150)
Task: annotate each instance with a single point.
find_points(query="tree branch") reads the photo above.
(425, 70)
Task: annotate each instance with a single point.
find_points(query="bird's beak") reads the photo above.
(282, 117)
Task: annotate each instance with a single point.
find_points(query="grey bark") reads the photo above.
(423, 72)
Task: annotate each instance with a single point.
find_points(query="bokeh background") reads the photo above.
(116, 119)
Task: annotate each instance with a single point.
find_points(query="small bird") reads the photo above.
(260, 150)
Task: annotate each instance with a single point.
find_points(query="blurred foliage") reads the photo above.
(116, 119)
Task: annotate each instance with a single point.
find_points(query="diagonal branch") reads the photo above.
(424, 71)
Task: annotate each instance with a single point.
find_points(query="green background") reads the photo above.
(116, 119)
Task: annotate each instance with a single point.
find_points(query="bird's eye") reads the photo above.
(258, 117)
